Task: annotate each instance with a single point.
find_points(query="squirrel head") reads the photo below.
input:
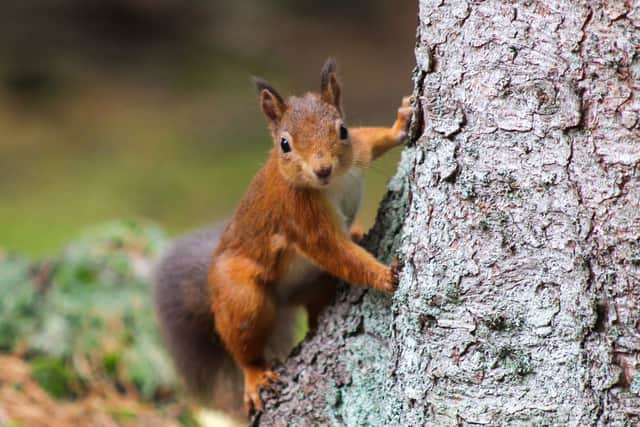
(311, 140)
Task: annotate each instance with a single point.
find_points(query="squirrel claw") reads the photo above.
(261, 381)
(392, 278)
(395, 273)
(272, 378)
(252, 402)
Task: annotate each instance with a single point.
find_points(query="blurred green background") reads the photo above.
(144, 108)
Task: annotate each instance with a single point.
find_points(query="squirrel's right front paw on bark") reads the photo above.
(392, 276)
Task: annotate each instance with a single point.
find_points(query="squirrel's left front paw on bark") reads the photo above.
(401, 125)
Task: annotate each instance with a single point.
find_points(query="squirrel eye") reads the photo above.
(284, 144)
(344, 133)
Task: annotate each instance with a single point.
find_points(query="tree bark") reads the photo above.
(516, 213)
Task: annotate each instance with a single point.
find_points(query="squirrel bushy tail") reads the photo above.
(183, 307)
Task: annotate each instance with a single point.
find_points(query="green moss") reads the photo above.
(110, 362)
(55, 377)
(187, 419)
(18, 301)
(123, 414)
(94, 317)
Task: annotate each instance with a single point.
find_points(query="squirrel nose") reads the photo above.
(323, 172)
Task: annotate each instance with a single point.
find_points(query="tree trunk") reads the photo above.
(516, 213)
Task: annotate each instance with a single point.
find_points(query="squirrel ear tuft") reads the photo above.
(328, 68)
(271, 103)
(330, 86)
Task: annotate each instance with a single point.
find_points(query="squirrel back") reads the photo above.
(183, 307)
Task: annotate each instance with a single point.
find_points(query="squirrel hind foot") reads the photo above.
(254, 382)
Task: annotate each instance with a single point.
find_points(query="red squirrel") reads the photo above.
(220, 294)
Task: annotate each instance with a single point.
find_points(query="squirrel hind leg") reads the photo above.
(246, 314)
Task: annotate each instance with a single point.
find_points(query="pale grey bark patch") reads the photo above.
(516, 213)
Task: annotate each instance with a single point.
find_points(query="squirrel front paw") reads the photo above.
(392, 277)
(401, 125)
(357, 233)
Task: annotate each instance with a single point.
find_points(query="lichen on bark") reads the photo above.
(515, 212)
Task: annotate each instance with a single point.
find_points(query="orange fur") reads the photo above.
(356, 232)
(288, 214)
(372, 142)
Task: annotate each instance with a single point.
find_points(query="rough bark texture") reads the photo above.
(516, 211)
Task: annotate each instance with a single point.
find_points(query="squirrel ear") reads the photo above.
(330, 87)
(271, 103)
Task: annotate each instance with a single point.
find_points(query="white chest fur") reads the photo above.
(345, 195)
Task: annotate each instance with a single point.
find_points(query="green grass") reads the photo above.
(54, 376)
